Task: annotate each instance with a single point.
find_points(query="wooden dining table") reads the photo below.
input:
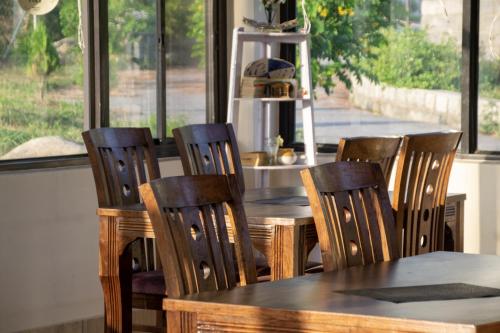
(404, 295)
(281, 228)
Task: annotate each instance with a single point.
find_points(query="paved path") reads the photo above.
(134, 100)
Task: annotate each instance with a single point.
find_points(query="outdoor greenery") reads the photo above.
(344, 33)
(489, 78)
(408, 59)
(23, 116)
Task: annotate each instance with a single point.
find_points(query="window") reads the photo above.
(133, 64)
(41, 82)
(116, 63)
(397, 66)
(489, 76)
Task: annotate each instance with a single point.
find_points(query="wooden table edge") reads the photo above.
(329, 319)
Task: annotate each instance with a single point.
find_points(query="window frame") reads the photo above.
(96, 79)
(469, 83)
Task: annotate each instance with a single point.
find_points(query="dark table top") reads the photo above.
(316, 293)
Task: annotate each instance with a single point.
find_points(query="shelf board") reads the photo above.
(278, 167)
(270, 37)
(272, 99)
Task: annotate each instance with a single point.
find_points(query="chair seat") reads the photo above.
(153, 283)
(150, 283)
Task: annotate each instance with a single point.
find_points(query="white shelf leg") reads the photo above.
(234, 81)
(307, 105)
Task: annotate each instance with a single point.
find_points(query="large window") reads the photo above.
(95, 63)
(394, 67)
(489, 76)
(133, 64)
(41, 82)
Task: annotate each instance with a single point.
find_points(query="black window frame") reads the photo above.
(96, 79)
(469, 87)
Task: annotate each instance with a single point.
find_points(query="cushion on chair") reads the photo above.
(151, 283)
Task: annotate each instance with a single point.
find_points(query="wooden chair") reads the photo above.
(117, 157)
(209, 149)
(420, 189)
(187, 214)
(352, 213)
(382, 150)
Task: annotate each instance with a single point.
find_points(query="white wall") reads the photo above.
(49, 246)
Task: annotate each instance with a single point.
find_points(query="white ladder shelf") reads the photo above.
(241, 36)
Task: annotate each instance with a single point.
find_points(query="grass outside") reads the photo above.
(24, 116)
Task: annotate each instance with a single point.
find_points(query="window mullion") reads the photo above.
(161, 85)
(469, 79)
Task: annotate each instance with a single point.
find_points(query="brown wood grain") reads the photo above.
(420, 189)
(187, 214)
(209, 149)
(121, 160)
(311, 303)
(382, 150)
(352, 213)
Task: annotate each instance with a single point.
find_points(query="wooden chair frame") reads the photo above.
(382, 150)
(117, 157)
(209, 149)
(352, 213)
(420, 190)
(187, 214)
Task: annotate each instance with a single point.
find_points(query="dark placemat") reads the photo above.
(296, 200)
(432, 292)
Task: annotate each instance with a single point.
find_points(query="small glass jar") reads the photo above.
(271, 148)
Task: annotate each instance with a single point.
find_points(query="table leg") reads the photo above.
(115, 272)
(288, 252)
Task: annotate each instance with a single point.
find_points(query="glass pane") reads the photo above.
(41, 82)
(132, 63)
(185, 57)
(489, 76)
(385, 67)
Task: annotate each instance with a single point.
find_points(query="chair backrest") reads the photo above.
(352, 213)
(209, 149)
(420, 190)
(187, 214)
(382, 150)
(117, 157)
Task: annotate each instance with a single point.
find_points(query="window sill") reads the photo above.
(165, 150)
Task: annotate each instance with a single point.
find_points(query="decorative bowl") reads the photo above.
(287, 156)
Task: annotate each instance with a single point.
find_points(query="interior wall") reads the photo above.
(49, 246)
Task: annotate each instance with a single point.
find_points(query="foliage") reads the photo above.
(42, 56)
(23, 117)
(5, 25)
(408, 59)
(129, 22)
(490, 122)
(68, 18)
(343, 33)
(197, 30)
(489, 78)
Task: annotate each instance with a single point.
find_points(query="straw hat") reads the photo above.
(38, 7)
